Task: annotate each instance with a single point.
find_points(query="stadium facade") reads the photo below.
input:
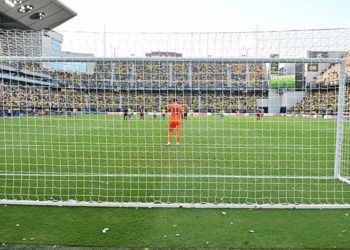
(18, 21)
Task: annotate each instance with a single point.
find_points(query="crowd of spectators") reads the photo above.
(322, 101)
(86, 92)
(31, 99)
(331, 76)
(158, 74)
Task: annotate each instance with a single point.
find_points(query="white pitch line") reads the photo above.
(73, 203)
(166, 176)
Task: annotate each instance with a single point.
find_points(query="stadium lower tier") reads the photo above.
(321, 102)
(29, 99)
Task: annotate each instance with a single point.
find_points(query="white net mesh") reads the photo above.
(260, 126)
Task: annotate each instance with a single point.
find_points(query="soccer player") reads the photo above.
(176, 117)
(222, 114)
(129, 113)
(258, 114)
(262, 112)
(154, 115)
(185, 113)
(163, 113)
(142, 114)
(126, 112)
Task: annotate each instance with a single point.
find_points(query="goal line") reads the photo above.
(136, 205)
(168, 176)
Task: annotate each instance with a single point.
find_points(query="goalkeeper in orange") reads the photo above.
(176, 118)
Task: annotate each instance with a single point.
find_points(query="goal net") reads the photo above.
(248, 119)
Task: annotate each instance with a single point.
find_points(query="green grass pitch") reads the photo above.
(102, 158)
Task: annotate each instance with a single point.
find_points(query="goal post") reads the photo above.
(341, 169)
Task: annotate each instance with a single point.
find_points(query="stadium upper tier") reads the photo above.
(331, 75)
(147, 75)
(203, 62)
(28, 98)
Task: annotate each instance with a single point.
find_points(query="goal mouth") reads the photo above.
(177, 120)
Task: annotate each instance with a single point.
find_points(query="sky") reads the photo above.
(205, 15)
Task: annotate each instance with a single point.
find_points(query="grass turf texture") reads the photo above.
(103, 158)
(196, 227)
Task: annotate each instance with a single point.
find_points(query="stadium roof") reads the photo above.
(33, 14)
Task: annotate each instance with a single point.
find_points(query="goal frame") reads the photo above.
(340, 125)
(338, 149)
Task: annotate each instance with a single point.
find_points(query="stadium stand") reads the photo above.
(331, 76)
(156, 74)
(203, 87)
(19, 99)
(321, 101)
(114, 86)
(28, 89)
